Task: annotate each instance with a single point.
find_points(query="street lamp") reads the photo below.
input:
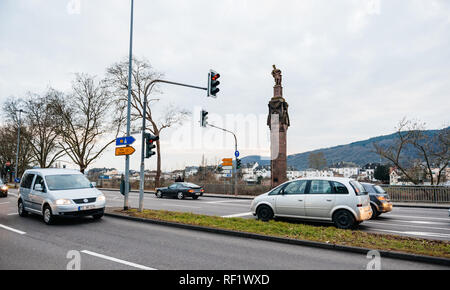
(18, 146)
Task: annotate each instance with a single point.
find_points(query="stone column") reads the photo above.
(278, 122)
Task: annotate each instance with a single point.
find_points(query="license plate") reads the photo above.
(198, 193)
(86, 207)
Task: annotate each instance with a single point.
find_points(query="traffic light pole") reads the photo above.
(144, 119)
(235, 149)
(127, 157)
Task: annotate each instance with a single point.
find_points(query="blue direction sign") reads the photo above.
(16, 180)
(125, 141)
(236, 154)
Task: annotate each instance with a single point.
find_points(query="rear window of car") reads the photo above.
(27, 180)
(359, 189)
(369, 188)
(187, 184)
(339, 188)
(379, 189)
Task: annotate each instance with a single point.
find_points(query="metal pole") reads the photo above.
(130, 67)
(17, 151)
(142, 175)
(235, 147)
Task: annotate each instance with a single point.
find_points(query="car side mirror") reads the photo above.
(282, 192)
(38, 187)
(93, 184)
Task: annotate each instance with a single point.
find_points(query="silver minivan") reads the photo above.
(340, 200)
(59, 193)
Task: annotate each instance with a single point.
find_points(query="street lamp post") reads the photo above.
(18, 146)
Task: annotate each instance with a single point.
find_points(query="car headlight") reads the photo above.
(4, 187)
(101, 197)
(63, 202)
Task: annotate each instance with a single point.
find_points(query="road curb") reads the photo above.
(421, 206)
(358, 250)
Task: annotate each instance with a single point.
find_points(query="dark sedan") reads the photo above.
(180, 190)
(379, 199)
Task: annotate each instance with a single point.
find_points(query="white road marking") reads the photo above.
(415, 217)
(225, 201)
(238, 215)
(13, 194)
(4, 202)
(14, 213)
(407, 226)
(166, 204)
(117, 260)
(427, 234)
(11, 229)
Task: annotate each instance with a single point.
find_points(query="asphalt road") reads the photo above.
(110, 243)
(413, 222)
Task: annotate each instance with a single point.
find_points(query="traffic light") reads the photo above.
(238, 163)
(149, 144)
(213, 83)
(203, 118)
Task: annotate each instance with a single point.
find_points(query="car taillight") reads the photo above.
(202, 190)
(190, 190)
(359, 205)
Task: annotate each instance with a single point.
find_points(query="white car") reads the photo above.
(59, 192)
(340, 200)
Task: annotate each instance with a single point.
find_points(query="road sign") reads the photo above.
(227, 175)
(227, 162)
(16, 180)
(236, 154)
(121, 151)
(230, 167)
(125, 141)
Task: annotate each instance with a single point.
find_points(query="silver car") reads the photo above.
(340, 200)
(59, 193)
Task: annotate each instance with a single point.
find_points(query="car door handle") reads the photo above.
(329, 200)
(300, 200)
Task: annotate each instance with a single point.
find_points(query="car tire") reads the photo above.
(21, 209)
(159, 194)
(48, 216)
(264, 213)
(375, 212)
(195, 197)
(180, 195)
(343, 219)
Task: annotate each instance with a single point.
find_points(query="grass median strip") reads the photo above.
(325, 234)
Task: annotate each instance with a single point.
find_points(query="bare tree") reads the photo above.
(84, 120)
(142, 75)
(431, 152)
(8, 135)
(41, 123)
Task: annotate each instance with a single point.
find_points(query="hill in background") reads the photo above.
(360, 153)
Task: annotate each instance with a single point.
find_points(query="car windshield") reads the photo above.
(67, 181)
(379, 189)
(187, 184)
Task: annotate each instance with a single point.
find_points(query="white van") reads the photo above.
(340, 200)
(59, 192)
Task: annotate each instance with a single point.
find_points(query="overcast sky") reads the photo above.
(351, 69)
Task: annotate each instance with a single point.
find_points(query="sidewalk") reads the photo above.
(249, 197)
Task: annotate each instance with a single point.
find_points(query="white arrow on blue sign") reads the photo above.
(125, 141)
(236, 154)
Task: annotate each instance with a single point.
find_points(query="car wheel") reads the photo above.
(375, 212)
(195, 197)
(49, 218)
(180, 195)
(343, 219)
(264, 213)
(21, 209)
(159, 194)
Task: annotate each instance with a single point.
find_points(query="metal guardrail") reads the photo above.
(422, 194)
